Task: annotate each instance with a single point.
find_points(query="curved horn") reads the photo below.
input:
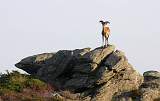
(107, 22)
(101, 21)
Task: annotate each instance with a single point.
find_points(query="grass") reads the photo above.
(15, 81)
(15, 86)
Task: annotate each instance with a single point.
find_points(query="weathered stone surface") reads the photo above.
(32, 64)
(117, 62)
(60, 64)
(151, 74)
(125, 80)
(98, 54)
(150, 89)
(56, 65)
(90, 61)
(85, 68)
(102, 74)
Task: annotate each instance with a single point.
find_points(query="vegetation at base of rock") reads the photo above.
(15, 86)
(15, 81)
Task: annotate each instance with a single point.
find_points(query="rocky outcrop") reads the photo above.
(150, 89)
(32, 64)
(102, 74)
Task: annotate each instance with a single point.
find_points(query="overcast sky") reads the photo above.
(29, 27)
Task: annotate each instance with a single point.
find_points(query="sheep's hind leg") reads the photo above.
(103, 41)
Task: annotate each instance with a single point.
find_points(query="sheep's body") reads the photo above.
(105, 32)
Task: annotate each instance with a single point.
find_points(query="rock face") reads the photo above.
(102, 74)
(150, 89)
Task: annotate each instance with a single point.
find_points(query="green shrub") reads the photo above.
(4, 91)
(35, 84)
(16, 82)
(23, 87)
(12, 81)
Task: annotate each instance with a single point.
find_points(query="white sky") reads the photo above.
(29, 27)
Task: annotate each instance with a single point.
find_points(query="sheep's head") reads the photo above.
(104, 22)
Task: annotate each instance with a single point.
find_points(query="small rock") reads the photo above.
(154, 74)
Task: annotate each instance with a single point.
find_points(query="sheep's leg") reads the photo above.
(105, 42)
(102, 41)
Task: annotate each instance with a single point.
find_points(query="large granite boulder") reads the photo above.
(102, 74)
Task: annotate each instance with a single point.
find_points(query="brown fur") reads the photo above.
(105, 34)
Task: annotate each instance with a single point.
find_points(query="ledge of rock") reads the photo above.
(102, 74)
